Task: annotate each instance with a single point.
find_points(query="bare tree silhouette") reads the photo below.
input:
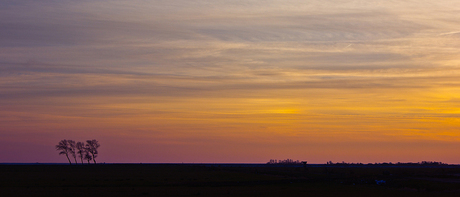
(87, 156)
(81, 150)
(91, 146)
(72, 150)
(65, 149)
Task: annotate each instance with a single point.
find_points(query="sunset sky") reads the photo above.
(214, 81)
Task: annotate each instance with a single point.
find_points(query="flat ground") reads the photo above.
(221, 180)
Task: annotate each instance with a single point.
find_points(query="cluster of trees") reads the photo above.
(286, 161)
(84, 151)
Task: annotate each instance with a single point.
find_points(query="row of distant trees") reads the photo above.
(286, 161)
(425, 163)
(84, 151)
(290, 161)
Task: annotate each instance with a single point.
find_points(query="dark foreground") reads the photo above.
(226, 180)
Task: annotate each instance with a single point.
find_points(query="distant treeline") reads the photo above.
(424, 163)
(286, 161)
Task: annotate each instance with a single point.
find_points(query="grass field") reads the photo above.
(216, 180)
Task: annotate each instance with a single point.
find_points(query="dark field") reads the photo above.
(226, 180)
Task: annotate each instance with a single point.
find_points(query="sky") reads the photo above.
(241, 81)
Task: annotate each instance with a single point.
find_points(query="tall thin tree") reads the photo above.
(87, 156)
(81, 150)
(72, 150)
(64, 147)
(92, 146)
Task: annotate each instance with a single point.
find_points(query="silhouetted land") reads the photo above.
(228, 180)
